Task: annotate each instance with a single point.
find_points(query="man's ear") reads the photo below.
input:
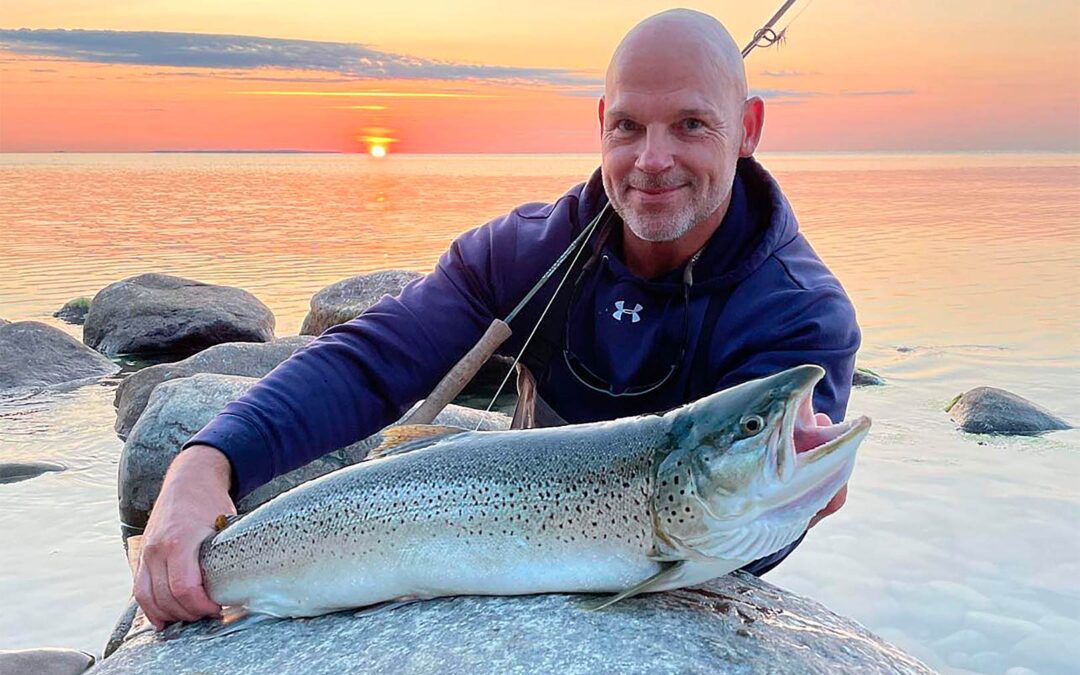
(753, 119)
(600, 115)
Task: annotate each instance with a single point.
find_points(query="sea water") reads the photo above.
(964, 269)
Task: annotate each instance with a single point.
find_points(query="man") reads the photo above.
(701, 282)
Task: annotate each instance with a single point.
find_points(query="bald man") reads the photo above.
(696, 279)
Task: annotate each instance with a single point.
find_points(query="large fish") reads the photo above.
(635, 505)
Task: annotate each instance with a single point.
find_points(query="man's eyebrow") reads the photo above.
(696, 112)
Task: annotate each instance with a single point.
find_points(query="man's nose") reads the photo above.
(657, 154)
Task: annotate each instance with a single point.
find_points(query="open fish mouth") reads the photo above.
(810, 459)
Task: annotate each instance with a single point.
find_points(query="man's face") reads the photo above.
(671, 134)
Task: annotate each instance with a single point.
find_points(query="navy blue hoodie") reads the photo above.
(760, 301)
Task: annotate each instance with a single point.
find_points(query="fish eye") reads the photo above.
(752, 424)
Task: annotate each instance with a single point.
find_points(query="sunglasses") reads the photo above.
(590, 379)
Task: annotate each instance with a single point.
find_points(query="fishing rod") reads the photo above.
(499, 330)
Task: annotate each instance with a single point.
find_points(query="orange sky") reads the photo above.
(491, 76)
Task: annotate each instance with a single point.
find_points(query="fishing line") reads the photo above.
(584, 239)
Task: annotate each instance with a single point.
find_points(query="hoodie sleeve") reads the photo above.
(362, 375)
(802, 326)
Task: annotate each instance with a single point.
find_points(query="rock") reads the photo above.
(347, 299)
(74, 311)
(33, 354)
(250, 359)
(987, 410)
(177, 409)
(4, 321)
(44, 662)
(864, 377)
(735, 624)
(13, 472)
(161, 314)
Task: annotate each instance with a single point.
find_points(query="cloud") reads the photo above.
(784, 93)
(785, 73)
(200, 50)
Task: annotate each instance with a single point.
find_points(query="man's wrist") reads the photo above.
(207, 462)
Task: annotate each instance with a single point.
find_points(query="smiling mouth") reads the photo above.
(656, 192)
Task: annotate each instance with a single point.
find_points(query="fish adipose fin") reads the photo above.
(409, 437)
(665, 576)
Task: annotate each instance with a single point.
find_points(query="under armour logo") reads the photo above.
(619, 311)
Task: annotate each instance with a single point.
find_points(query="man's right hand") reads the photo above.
(168, 584)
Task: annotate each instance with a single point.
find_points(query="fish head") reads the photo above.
(734, 487)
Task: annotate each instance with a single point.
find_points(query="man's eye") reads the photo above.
(625, 126)
(693, 124)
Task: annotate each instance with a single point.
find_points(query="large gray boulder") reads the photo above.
(35, 355)
(250, 359)
(161, 314)
(347, 299)
(177, 409)
(988, 410)
(735, 624)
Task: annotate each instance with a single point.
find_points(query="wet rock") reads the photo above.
(987, 410)
(250, 359)
(177, 409)
(161, 314)
(347, 299)
(13, 472)
(735, 624)
(74, 311)
(44, 662)
(864, 377)
(33, 354)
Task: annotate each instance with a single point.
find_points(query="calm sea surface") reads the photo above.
(965, 270)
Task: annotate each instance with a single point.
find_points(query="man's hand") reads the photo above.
(168, 584)
(807, 437)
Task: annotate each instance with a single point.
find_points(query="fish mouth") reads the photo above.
(809, 459)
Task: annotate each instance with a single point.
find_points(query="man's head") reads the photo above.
(674, 120)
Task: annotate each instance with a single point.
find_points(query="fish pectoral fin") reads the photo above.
(409, 437)
(234, 620)
(670, 572)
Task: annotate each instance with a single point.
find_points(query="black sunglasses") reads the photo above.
(587, 377)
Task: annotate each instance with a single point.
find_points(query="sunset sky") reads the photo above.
(508, 76)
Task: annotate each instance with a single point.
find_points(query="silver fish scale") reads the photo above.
(490, 498)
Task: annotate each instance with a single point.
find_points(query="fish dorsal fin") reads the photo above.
(409, 437)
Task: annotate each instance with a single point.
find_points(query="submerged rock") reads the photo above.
(161, 314)
(74, 311)
(177, 409)
(347, 299)
(44, 662)
(33, 354)
(735, 624)
(988, 410)
(13, 472)
(864, 377)
(250, 359)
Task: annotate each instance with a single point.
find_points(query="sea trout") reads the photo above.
(635, 505)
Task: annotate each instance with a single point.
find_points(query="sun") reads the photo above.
(378, 151)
